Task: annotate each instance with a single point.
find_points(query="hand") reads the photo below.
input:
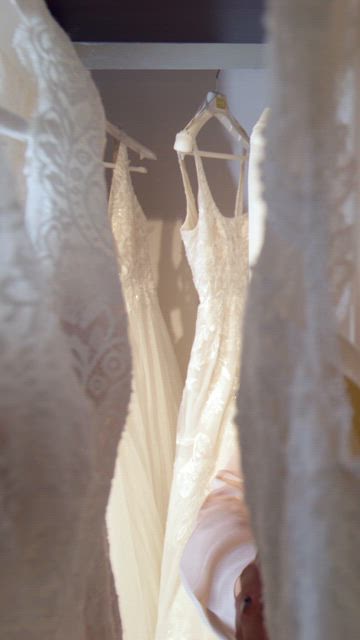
(249, 609)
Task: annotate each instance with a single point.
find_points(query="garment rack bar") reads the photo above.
(163, 55)
(216, 155)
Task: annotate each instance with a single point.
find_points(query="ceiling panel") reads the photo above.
(161, 20)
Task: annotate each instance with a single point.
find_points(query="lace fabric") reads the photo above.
(48, 448)
(66, 221)
(140, 491)
(216, 248)
(301, 486)
(129, 226)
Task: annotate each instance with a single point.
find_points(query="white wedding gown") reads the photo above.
(140, 490)
(301, 474)
(66, 222)
(216, 248)
(47, 448)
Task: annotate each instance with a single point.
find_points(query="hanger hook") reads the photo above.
(217, 79)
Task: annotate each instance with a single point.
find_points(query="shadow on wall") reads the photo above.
(177, 296)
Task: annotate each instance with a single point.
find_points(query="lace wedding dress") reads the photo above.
(47, 448)
(302, 479)
(140, 491)
(66, 222)
(216, 249)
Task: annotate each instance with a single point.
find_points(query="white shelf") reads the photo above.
(132, 56)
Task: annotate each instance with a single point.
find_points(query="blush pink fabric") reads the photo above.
(219, 549)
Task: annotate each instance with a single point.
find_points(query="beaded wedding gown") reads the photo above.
(140, 490)
(216, 248)
(301, 473)
(65, 218)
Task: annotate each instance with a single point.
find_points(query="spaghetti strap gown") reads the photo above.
(216, 248)
(138, 504)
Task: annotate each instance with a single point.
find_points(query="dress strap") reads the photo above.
(201, 175)
(239, 202)
(191, 212)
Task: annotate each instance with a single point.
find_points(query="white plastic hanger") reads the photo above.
(129, 142)
(214, 106)
(112, 165)
(13, 126)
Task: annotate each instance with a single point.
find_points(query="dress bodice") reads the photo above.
(66, 146)
(138, 506)
(215, 245)
(130, 230)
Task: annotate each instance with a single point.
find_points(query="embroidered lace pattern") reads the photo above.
(68, 227)
(48, 449)
(301, 484)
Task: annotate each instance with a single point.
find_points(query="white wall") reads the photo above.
(153, 106)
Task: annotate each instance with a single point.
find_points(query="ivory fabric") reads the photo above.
(301, 476)
(139, 498)
(222, 543)
(47, 447)
(66, 224)
(216, 248)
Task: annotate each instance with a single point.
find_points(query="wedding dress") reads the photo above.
(66, 221)
(222, 544)
(206, 437)
(48, 438)
(301, 475)
(138, 503)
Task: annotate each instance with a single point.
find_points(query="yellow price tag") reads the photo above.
(221, 102)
